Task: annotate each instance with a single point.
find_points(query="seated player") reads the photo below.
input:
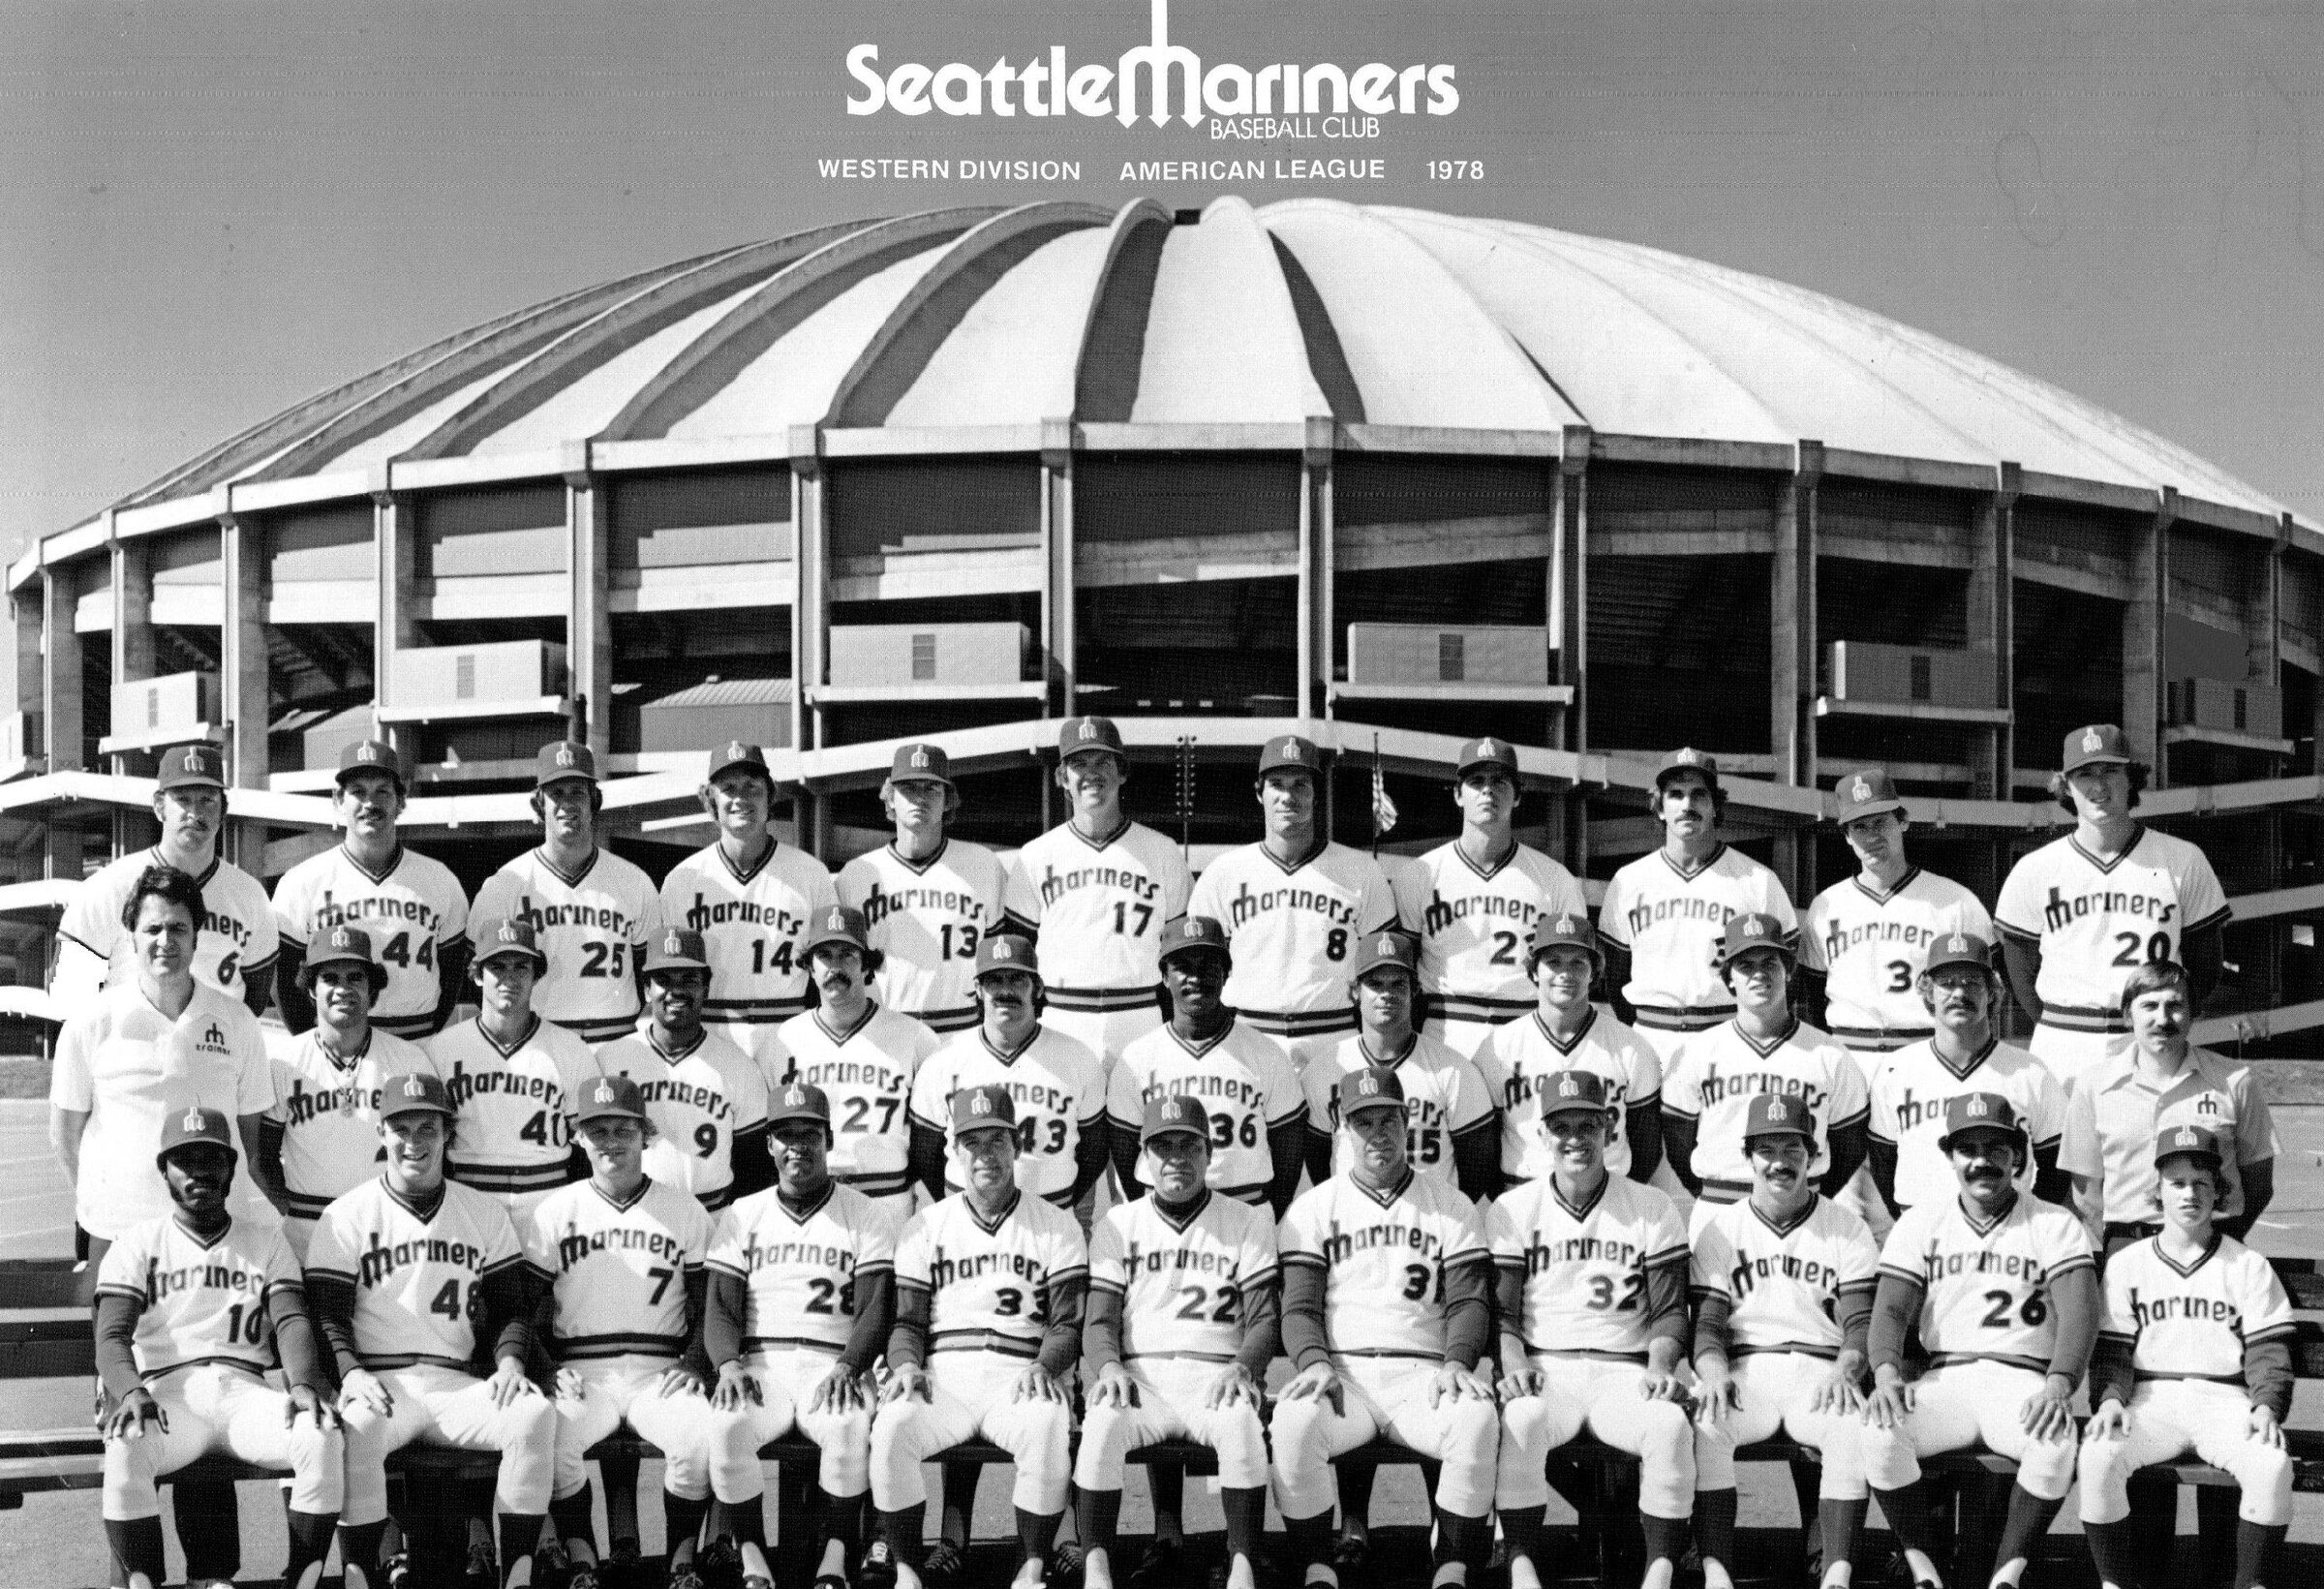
(622, 1256)
(192, 1310)
(1183, 1321)
(802, 1299)
(2006, 1296)
(1782, 1286)
(1387, 1307)
(2194, 1355)
(1592, 1298)
(989, 1291)
(412, 1278)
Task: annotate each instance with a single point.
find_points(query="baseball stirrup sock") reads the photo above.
(1715, 1527)
(575, 1515)
(2114, 1553)
(1842, 1525)
(2254, 1549)
(1665, 1536)
(1037, 1531)
(1246, 1520)
(1166, 1488)
(2027, 1520)
(682, 1520)
(520, 1532)
(138, 1548)
(310, 1543)
(1097, 1519)
(1521, 1527)
(359, 1550)
(1908, 1512)
(901, 1530)
(1310, 1541)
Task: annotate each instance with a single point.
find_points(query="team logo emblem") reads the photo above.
(1958, 945)
(919, 756)
(796, 1098)
(603, 1094)
(214, 1037)
(1569, 1085)
(1976, 1107)
(671, 946)
(981, 1104)
(509, 933)
(1569, 924)
(193, 1120)
(2187, 1136)
(1387, 944)
(412, 1088)
(737, 749)
(2208, 1104)
(564, 755)
(1368, 1085)
(340, 940)
(1861, 792)
(2092, 740)
(1486, 747)
(1004, 950)
(1088, 730)
(1688, 758)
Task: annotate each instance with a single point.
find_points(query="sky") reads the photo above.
(210, 211)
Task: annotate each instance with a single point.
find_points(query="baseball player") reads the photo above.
(2081, 913)
(513, 1076)
(1294, 907)
(1782, 1286)
(1095, 892)
(622, 1256)
(1565, 1031)
(410, 904)
(707, 1098)
(192, 1309)
(1663, 915)
(1455, 1130)
(321, 1138)
(1590, 1275)
(1258, 1109)
(591, 910)
(1473, 903)
(2003, 1292)
(1387, 1307)
(928, 899)
(1763, 1049)
(1910, 1086)
(411, 1278)
(751, 897)
(802, 1299)
(989, 1294)
(1184, 1319)
(863, 1055)
(2194, 1355)
(237, 946)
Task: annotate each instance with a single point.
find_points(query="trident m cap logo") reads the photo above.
(2187, 1136)
(340, 940)
(193, 1120)
(509, 934)
(1569, 1085)
(1569, 924)
(1860, 791)
(1688, 758)
(796, 1097)
(1957, 945)
(919, 756)
(603, 1094)
(1974, 1108)
(670, 945)
(982, 1103)
(1368, 1085)
(1004, 949)
(836, 921)
(2092, 740)
(1388, 944)
(412, 1087)
(1088, 730)
(1486, 747)
(564, 755)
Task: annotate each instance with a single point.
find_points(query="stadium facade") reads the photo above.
(1402, 476)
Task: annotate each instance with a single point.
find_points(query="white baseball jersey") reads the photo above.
(1059, 1086)
(868, 1074)
(1246, 1083)
(1292, 927)
(988, 1286)
(200, 1303)
(697, 1098)
(753, 925)
(618, 1269)
(591, 924)
(1518, 1056)
(1783, 1283)
(1476, 923)
(1384, 1256)
(2097, 923)
(1871, 947)
(237, 931)
(418, 1282)
(1719, 1070)
(798, 1270)
(329, 1106)
(2193, 1322)
(928, 917)
(1183, 1285)
(1909, 1088)
(1673, 923)
(412, 911)
(515, 1104)
(127, 1067)
(1096, 908)
(1585, 1268)
(1986, 1289)
(1443, 1095)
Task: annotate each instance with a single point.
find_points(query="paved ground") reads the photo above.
(55, 1542)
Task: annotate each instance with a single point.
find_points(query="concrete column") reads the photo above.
(395, 537)
(1569, 616)
(1991, 627)
(1056, 567)
(61, 722)
(244, 696)
(588, 623)
(132, 621)
(25, 610)
(811, 619)
(1791, 670)
(2142, 636)
(1314, 692)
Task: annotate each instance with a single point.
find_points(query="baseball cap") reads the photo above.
(1976, 1112)
(341, 944)
(1866, 793)
(507, 935)
(677, 949)
(610, 1097)
(836, 924)
(1486, 753)
(183, 766)
(561, 759)
(374, 756)
(796, 1100)
(1007, 951)
(1178, 1112)
(1075, 735)
(413, 1092)
(193, 1125)
(1687, 759)
(1289, 751)
(976, 1107)
(1959, 949)
(1778, 1115)
(1387, 947)
(2098, 742)
(1374, 1087)
(1189, 932)
(735, 753)
(925, 762)
(1752, 930)
(1573, 1092)
(2193, 1140)
(1564, 932)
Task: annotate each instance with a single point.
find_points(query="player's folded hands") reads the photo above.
(1839, 1394)
(1452, 1382)
(303, 1399)
(2264, 1427)
(838, 1391)
(1888, 1405)
(2111, 1421)
(2049, 1413)
(128, 1420)
(1035, 1385)
(509, 1383)
(1116, 1389)
(736, 1387)
(570, 1386)
(905, 1384)
(1318, 1380)
(1234, 1385)
(1715, 1393)
(681, 1379)
(362, 1388)
(1665, 1387)
(1525, 1381)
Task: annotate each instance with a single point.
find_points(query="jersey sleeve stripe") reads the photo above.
(1669, 1255)
(504, 1264)
(1079, 1271)
(2081, 1261)
(2273, 1332)
(2010, 930)
(1908, 1277)
(316, 1269)
(1683, 1114)
(1857, 1118)
(724, 1267)
(2213, 920)
(135, 1294)
(1314, 1261)
(1251, 1282)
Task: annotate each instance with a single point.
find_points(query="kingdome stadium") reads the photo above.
(1397, 477)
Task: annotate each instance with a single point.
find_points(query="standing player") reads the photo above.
(1095, 892)
(1591, 1275)
(2081, 913)
(751, 897)
(2005, 1293)
(193, 1310)
(1663, 915)
(1565, 1031)
(928, 899)
(236, 950)
(411, 905)
(1783, 1287)
(1474, 902)
(1185, 1321)
(2194, 1355)
(593, 911)
(1294, 905)
(989, 1293)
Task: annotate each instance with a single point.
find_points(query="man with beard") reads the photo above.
(928, 899)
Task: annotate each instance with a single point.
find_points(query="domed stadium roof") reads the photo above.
(990, 320)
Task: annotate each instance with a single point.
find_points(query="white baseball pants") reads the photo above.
(1777, 1390)
(972, 1394)
(1606, 1396)
(218, 1407)
(1386, 1397)
(1967, 1404)
(786, 1384)
(1173, 1397)
(2170, 1418)
(446, 1407)
(627, 1388)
